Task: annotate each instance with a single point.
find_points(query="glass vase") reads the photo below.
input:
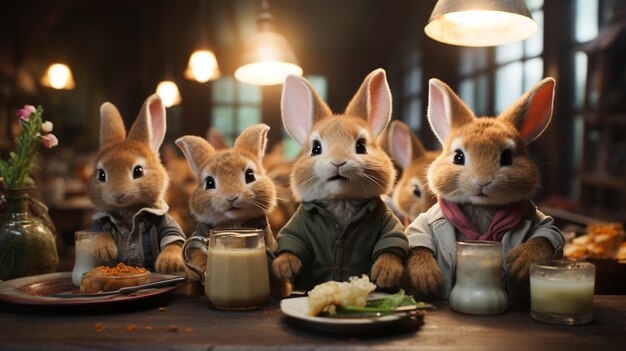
(27, 237)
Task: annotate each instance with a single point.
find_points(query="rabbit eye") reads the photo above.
(102, 176)
(250, 176)
(459, 157)
(137, 172)
(317, 148)
(209, 183)
(506, 158)
(360, 146)
(417, 192)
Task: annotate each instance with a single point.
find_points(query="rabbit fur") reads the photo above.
(411, 195)
(483, 168)
(127, 188)
(341, 170)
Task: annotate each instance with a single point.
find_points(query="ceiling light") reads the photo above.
(268, 58)
(480, 22)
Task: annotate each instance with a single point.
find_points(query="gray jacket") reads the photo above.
(432, 230)
(140, 245)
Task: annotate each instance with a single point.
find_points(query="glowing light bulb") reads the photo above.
(202, 66)
(168, 91)
(58, 76)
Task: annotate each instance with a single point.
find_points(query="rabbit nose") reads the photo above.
(231, 199)
(119, 196)
(482, 182)
(338, 164)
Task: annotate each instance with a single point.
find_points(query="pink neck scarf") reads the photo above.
(506, 218)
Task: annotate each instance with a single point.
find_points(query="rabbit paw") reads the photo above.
(521, 257)
(104, 248)
(280, 288)
(170, 260)
(423, 274)
(387, 271)
(286, 266)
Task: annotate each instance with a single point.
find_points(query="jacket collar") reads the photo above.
(159, 210)
(368, 206)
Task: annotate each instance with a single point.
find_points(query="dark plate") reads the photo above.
(33, 290)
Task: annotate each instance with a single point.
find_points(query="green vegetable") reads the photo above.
(385, 304)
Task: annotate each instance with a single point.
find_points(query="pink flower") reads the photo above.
(49, 140)
(25, 112)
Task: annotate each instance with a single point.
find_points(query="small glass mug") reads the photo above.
(236, 275)
(478, 288)
(85, 260)
(561, 292)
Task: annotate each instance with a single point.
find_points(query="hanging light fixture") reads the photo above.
(58, 76)
(480, 22)
(268, 58)
(202, 65)
(168, 91)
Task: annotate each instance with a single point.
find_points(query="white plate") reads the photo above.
(298, 307)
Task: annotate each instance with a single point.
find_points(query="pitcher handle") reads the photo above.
(188, 243)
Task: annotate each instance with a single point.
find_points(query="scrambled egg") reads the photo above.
(327, 296)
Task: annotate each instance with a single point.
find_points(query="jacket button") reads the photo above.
(338, 226)
(337, 270)
(133, 247)
(339, 243)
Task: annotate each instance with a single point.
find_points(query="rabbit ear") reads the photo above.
(372, 101)
(216, 139)
(253, 140)
(531, 113)
(445, 109)
(405, 146)
(149, 128)
(301, 107)
(111, 124)
(196, 150)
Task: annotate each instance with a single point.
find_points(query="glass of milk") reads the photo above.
(85, 259)
(236, 276)
(561, 292)
(478, 287)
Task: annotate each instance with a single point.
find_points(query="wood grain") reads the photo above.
(200, 327)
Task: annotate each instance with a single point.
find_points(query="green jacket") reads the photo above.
(329, 252)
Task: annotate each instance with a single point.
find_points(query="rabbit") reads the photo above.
(183, 181)
(182, 184)
(342, 228)
(278, 169)
(127, 188)
(233, 190)
(483, 179)
(411, 194)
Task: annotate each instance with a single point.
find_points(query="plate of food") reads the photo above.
(57, 289)
(352, 307)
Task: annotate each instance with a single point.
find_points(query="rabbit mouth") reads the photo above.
(337, 177)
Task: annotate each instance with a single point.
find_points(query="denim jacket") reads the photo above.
(152, 229)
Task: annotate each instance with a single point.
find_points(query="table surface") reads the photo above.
(200, 327)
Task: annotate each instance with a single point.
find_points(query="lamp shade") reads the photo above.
(268, 58)
(480, 22)
(58, 76)
(202, 66)
(168, 91)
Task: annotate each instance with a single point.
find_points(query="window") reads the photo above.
(236, 106)
(412, 91)
(510, 69)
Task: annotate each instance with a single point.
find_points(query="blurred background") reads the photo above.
(120, 50)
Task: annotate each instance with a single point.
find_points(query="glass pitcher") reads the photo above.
(236, 274)
(478, 288)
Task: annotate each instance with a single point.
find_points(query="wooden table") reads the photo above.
(199, 327)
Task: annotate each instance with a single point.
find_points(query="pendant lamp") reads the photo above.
(202, 66)
(480, 22)
(58, 76)
(268, 58)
